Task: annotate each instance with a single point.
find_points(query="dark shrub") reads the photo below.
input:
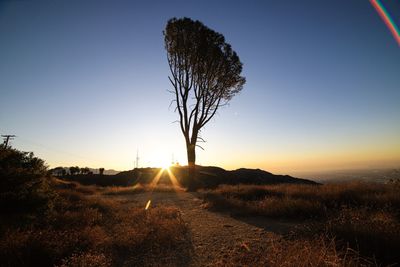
(24, 186)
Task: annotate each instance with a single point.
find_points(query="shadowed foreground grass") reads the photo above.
(310, 248)
(279, 251)
(136, 189)
(85, 229)
(363, 215)
(304, 201)
(50, 222)
(89, 231)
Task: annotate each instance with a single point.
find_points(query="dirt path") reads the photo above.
(214, 235)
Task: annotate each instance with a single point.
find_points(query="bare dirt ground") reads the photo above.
(214, 235)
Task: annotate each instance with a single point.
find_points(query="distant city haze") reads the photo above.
(85, 83)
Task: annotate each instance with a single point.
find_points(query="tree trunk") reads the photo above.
(191, 154)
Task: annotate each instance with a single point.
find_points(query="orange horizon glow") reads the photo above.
(371, 150)
(282, 164)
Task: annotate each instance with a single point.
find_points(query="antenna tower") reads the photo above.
(137, 159)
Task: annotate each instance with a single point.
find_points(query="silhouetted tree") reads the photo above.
(101, 171)
(84, 170)
(58, 171)
(74, 170)
(205, 74)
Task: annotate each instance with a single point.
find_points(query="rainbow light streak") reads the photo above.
(387, 19)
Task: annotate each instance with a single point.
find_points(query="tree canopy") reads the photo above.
(205, 74)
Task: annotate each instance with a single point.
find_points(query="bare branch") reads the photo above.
(199, 139)
(199, 146)
(172, 101)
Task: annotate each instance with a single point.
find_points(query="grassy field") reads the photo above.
(86, 230)
(50, 222)
(344, 225)
(362, 217)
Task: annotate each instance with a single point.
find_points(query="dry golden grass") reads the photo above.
(90, 231)
(85, 189)
(87, 259)
(349, 224)
(123, 190)
(303, 201)
(364, 215)
(279, 252)
(138, 188)
(375, 233)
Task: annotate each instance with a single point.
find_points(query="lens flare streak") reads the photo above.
(174, 181)
(387, 19)
(175, 184)
(148, 204)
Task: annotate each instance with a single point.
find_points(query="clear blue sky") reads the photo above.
(85, 83)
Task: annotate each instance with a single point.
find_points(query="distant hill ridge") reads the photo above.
(211, 176)
(92, 170)
(254, 176)
(207, 177)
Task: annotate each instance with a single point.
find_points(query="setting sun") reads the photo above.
(165, 166)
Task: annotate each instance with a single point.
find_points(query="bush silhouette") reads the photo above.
(24, 185)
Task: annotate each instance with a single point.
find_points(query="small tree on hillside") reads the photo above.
(101, 171)
(85, 170)
(74, 170)
(58, 171)
(205, 74)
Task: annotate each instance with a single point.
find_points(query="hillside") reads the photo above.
(207, 176)
(214, 176)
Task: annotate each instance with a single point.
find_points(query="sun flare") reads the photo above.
(165, 166)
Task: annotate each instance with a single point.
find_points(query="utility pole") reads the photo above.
(7, 137)
(137, 159)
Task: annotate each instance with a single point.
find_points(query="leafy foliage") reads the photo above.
(205, 74)
(24, 186)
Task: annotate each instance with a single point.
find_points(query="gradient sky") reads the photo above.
(85, 83)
